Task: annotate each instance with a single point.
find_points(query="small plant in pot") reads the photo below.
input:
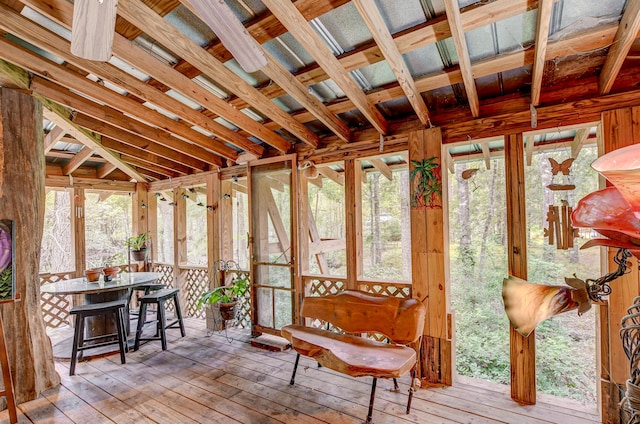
(138, 246)
(227, 297)
(110, 271)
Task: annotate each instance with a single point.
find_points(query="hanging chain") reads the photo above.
(600, 287)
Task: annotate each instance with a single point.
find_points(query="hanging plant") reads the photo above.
(426, 182)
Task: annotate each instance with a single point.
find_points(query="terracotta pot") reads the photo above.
(93, 274)
(139, 255)
(228, 311)
(110, 273)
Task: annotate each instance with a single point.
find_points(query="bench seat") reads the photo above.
(350, 354)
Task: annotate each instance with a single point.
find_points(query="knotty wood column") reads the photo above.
(429, 255)
(78, 231)
(620, 128)
(522, 349)
(22, 199)
(180, 239)
(213, 221)
(140, 223)
(353, 210)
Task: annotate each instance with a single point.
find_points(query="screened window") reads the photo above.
(107, 226)
(57, 254)
(165, 212)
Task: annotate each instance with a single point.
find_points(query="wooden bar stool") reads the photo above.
(158, 298)
(114, 309)
(146, 289)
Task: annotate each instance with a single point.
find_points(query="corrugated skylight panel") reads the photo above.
(254, 78)
(45, 22)
(34, 49)
(201, 131)
(182, 99)
(290, 104)
(378, 74)
(160, 110)
(212, 88)
(517, 31)
(573, 10)
(246, 9)
(481, 43)
(424, 60)
(107, 84)
(190, 25)
(400, 15)
(345, 25)
(226, 123)
(329, 90)
(286, 50)
(154, 49)
(124, 66)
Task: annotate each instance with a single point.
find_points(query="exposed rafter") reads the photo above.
(542, 36)
(52, 137)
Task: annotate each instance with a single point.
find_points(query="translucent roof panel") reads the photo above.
(289, 52)
(124, 66)
(187, 23)
(182, 99)
(328, 90)
(208, 85)
(246, 10)
(289, 103)
(507, 35)
(571, 11)
(254, 78)
(378, 74)
(154, 49)
(400, 15)
(45, 22)
(34, 49)
(424, 60)
(344, 26)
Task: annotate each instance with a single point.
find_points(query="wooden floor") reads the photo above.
(207, 379)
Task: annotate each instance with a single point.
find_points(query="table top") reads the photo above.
(80, 286)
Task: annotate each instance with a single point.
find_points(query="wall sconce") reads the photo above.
(211, 208)
(185, 196)
(226, 196)
(143, 206)
(160, 197)
(234, 178)
(173, 204)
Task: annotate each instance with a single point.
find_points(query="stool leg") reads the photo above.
(119, 318)
(142, 317)
(162, 323)
(125, 329)
(78, 338)
(179, 314)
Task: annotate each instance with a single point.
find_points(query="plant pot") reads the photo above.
(110, 273)
(139, 255)
(93, 274)
(228, 310)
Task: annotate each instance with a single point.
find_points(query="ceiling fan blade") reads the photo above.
(94, 23)
(233, 35)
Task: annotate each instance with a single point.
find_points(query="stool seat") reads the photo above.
(158, 298)
(115, 309)
(148, 288)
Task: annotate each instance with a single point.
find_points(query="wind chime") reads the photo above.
(560, 231)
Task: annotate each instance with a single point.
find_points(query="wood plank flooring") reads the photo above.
(207, 379)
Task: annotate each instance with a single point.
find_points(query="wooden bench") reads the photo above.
(400, 320)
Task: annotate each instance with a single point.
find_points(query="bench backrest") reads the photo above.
(401, 320)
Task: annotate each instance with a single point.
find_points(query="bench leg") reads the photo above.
(295, 368)
(371, 399)
(395, 389)
(411, 390)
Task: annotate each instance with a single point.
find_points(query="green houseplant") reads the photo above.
(226, 297)
(138, 246)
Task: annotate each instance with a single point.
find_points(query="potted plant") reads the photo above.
(138, 246)
(110, 270)
(225, 297)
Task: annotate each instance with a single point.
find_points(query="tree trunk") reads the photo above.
(405, 230)
(22, 200)
(487, 223)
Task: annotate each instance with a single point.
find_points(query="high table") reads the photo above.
(101, 291)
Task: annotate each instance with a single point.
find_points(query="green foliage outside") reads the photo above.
(107, 227)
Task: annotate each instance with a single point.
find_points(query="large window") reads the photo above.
(196, 199)
(386, 232)
(165, 212)
(240, 219)
(107, 226)
(57, 254)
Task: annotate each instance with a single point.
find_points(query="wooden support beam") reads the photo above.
(300, 29)
(123, 149)
(542, 36)
(52, 138)
(578, 140)
(353, 210)
(333, 175)
(381, 166)
(88, 139)
(12, 76)
(529, 143)
(78, 159)
(105, 170)
(457, 32)
(378, 28)
(90, 183)
(450, 162)
(314, 237)
(486, 154)
(152, 24)
(625, 36)
(522, 349)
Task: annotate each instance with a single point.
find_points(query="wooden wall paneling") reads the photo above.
(429, 272)
(225, 218)
(620, 128)
(214, 232)
(522, 349)
(22, 199)
(140, 223)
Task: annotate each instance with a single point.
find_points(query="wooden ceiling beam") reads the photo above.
(91, 183)
(40, 37)
(300, 29)
(378, 28)
(86, 138)
(182, 161)
(105, 170)
(578, 141)
(125, 149)
(62, 11)
(486, 154)
(529, 142)
(77, 160)
(170, 37)
(333, 175)
(381, 166)
(145, 167)
(460, 43)
(52, 137)
(542, 36)
(625, 36)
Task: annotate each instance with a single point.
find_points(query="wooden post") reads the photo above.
(152, 226)
(522, 349)
(77, 222)
(139, 211)
(429, 255)
(213, 222)
(620, 128)
(180, 241)
(303, 231)
(225, 219)
(22, 199)
(353, 211)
